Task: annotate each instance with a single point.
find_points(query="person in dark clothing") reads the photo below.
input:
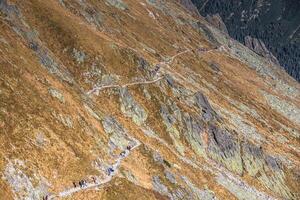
(74, 184)
(122, 154)
(128, 147)
(110, 170)
(94, 180)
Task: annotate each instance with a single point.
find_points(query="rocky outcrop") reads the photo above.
(188, 4)
(131, 108)
(225, 148)
(117, 134)
(260, 48)
(217, 21)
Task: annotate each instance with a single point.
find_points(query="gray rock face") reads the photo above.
(90, 13)
(224, 148)
(118, 4)
(188, 4)
(217, 21)
(170, 176)
(21, 184)
(57, 94)
(197, 193)
(131, 108)
(30, 36)
(267, 169)
(118, 135)
(159, 186)
(193, 130)
(260, 48)
(207, 111)
(284, 107)
(79, 56)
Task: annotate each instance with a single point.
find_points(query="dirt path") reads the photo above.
(98, 181)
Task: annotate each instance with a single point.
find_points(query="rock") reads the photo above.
(157, 157)
(118, 135)
(131, 108)
(57, 94)
(118, 4)
(205, 31)
(225, 149)
(79, 56)
(169, 120)
(197, 193)
(259, 47)
(203, 104)
(214, 66)
(170, 176)
(86, 10)
(21, 184)
(267, 169)
(180, 194)
(66, 120)
(193, 130)
(40, 139)
(241, 190)
(285, 108)
(188, 4)
(159, 186)
(170, 81)
(217, 21)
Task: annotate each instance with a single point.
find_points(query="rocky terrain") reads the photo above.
(274, 23)
(140, 100)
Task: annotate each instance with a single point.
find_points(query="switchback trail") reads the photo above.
(97, 89)
(98, 182)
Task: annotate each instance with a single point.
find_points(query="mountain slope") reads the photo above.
(81, 80)
(275, 22)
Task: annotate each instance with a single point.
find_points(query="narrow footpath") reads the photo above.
(98, 182)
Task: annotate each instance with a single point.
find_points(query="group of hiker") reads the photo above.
(110, 170)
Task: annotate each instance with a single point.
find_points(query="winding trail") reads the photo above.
(98, 181)
(97, 89)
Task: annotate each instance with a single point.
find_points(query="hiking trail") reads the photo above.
(97, 182)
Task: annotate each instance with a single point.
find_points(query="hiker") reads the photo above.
(94, 180)
(128, 147)
(81, 183)
(110, 170)
(74, 184)
(122, 154)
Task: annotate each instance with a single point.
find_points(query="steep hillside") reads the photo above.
(141, 100)
(275, 22)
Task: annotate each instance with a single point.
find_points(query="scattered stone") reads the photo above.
(56, 94)
(66, 120)
(196, 193)
(118, 4)
(285, 108)
(21, 184)
(79, 56)
(170, 176)
(157, 157)
(159, 186)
